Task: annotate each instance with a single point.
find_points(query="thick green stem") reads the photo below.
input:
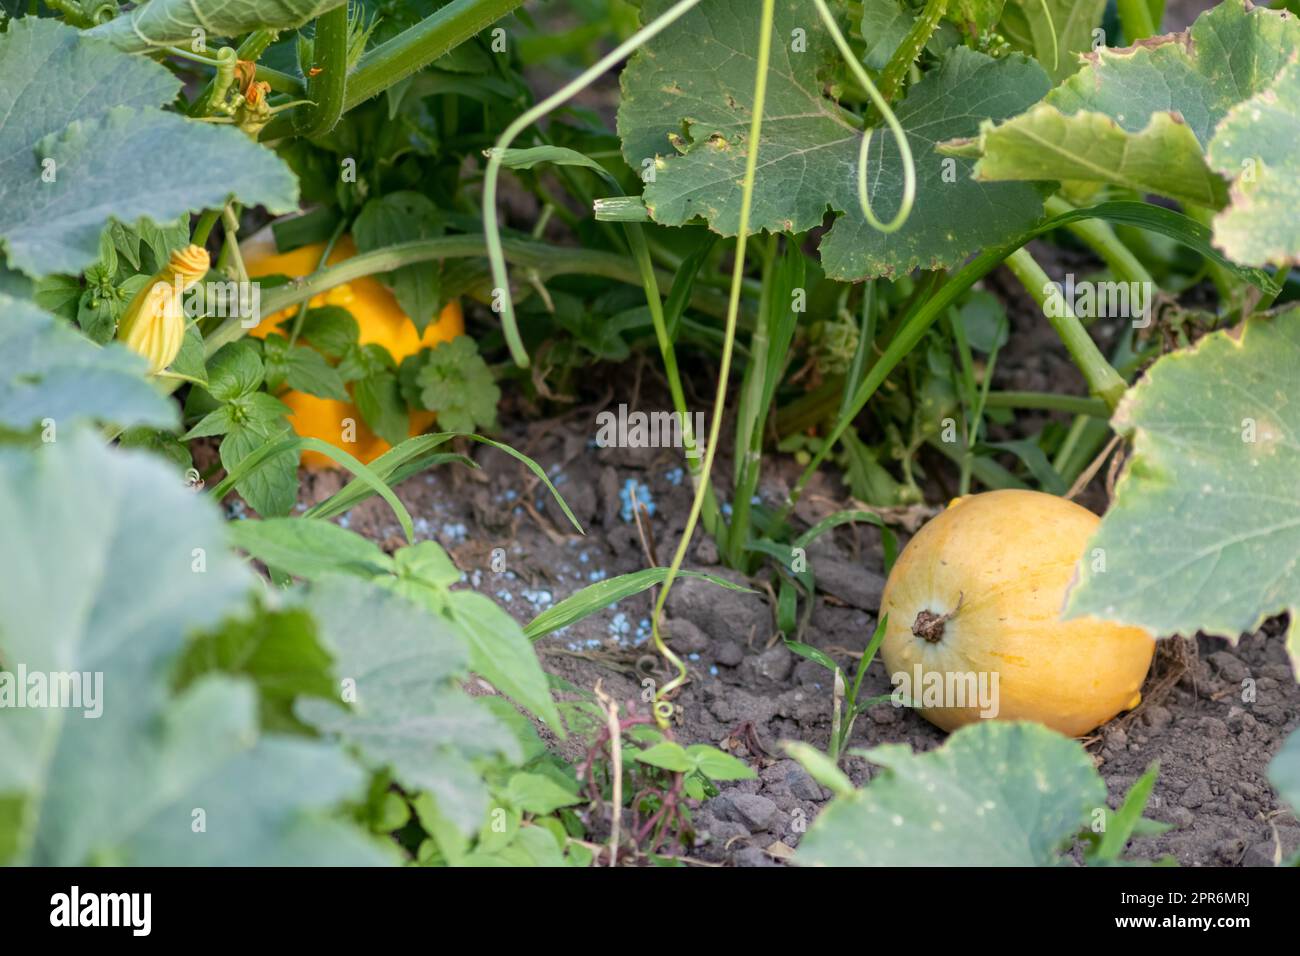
(1102, 379)
(1049, 402)
(414, 49)
(891, 78)
(547, 259)
(1101, 239)
(327, 88)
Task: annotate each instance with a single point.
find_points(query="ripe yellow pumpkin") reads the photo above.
(382, 322)
(980, 591)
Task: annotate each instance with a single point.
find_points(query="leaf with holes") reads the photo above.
(686, 106)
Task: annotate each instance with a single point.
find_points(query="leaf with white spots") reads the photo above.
(995, 794)
(1204, 531)
(1257, 145)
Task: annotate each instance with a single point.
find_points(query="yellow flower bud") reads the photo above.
(154, 324)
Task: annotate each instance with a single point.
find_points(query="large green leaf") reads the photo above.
(407, 712)
(995, 794)
(82, 141)
(109, 562)
(49, 371)
(1114, 120)
(1205, 526)
(1258, 146)
(174, 22)
(685, 101)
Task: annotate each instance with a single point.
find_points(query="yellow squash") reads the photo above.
(382, 322)
(975, 630)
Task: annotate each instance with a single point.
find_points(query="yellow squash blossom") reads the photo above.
(154, 324)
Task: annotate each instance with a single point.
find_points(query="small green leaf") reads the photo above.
(332, 329)
(535, 793)
(404, 216)
(234, 371)
(456, 383)
(667, 756)
(380, 401)
(271, 489)
(716, 765)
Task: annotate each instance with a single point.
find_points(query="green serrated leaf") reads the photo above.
(456, 383)
(404, 707)
(48, 371)
(995, 794)
(1045, 144)
(99, 575)
(80, 140)
(1257, 146)
(379, 399)
(667, 755)
(537, 793)
(685, 97)
(1194, 538)
(272, 488)
(716, 765)
(234, 371)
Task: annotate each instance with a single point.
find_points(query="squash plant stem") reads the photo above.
(1101, 377)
